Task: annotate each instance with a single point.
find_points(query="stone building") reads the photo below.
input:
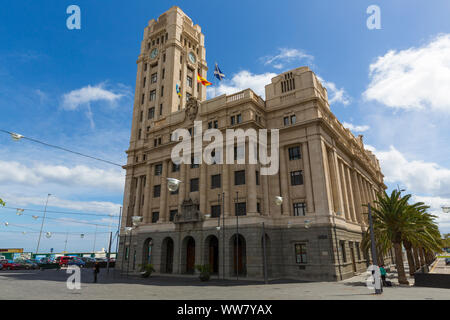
(224, 215)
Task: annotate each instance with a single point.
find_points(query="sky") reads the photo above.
(75, 89)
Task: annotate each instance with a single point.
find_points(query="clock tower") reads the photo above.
(172, 53)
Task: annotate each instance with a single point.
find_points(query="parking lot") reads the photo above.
(51, 284)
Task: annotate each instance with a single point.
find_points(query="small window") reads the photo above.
(194, 185)
(155, 217)
(152, 95)
(358, 251)
(215, 181)
(157, 191)
(300, 253)
(145, 67)
(215, 211)
(172, 214)
(164, 58)
(293, 119)
(154, 77)
(344, 255)
(141, 116)
(216, 124)
(258, 207)
(143, 98)
(151, 113)
(296, 178)
(158, 169)
(239, 118)
(210, 125)
(161, 109)
(139, 133)
(299, 209)
(175, 167)
(240, 209)
(162, 91)
(189, 81)
(239, 177)
(233, 120)
(286, 121)
(163, 73)
(195, 162)
(294, 153)
(143, 82)
(257, 177)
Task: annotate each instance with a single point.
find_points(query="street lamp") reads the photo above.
(19, 212)
(48, 234)
(446, 209)
(42, 224)
(278, 200)
(173, 184)
(16, 136)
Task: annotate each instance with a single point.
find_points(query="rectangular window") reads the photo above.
(299, 209)
(172, 214)
(141, 116)
(188, 96)
(157, 191)
(152, 95)
(145, 67)
(215, 181)
(164, 59)
(258, 207)
(175, 167)
(294, 153)
(139, 134)
(158, 169)
(160, 109)
(143, 82)
(189, 81)
(155, 142)
(210, 125)
(195, 162)
(300, 253)
(257, 177)
(151, 113)
(358, 252)
(216, 124)
(344, 255)
(154, 77)
(286, 121)
(155, 217)
(162, 91)
(293, 119)
(194, 185)
(143, 98)
(296, 178)
(240, 209)
(163, 73)
(239, 177)
(215, 211)
(239, 118)
(233, 120)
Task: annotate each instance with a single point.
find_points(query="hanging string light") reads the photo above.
(19, 212)
(35, 217)
(6, 223)
(48, 234)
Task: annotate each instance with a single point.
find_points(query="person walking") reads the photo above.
(383, 275)
(96, 271)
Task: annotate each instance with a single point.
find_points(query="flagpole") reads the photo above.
(215, 81)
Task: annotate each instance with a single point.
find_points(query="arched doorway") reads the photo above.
(147, 254)
(268, 254)
(189, 254)
(212, 253)
(239, 255)
(167, 255)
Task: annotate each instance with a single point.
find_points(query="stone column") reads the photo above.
(226, 189)
(147, 195)
(266, 202)
(344, 189)
(351, 197)
(357, 196)
(251, 189)
(203, 187)
(284, 182)
(182, 186)
(127, 199)
(137, 203)
(339, 183)
(307, 178)
(163, 197)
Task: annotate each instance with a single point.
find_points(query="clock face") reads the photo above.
(154, 53)
(192, 57)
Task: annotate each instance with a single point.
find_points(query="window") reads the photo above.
(159, 140)
(239, 118)
(344, 256)
(127, 252)
(194, 162)
(162, 91)
(155, 217)
(299, 209)
(258, 207)
(293, 119)
(175, 167)
(152, 95)
(210, 125)
(174, 192)
(215, 211)
(145, 67)
(289, 83)
(151, 113)
(194, 185)
(157, 191)
(160, 109)
(257, 177)
(286, 121)
(216, 124)
(163, 73)
(296, 178)
(143, 82)
(154, 77)
(188, 96)
(300, 253)
(233, 120)
(189, 81)
(294, 153)
(143, 98)
(240, 209)
(215, 181)
(164, 59)
(239, 177)
(172, 214)
(155, 142)
(139, 134)
(358, 252)
(141, 116)
(158, 169)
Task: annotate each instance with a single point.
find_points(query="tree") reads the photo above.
(2, 203)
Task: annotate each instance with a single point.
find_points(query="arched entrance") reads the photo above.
(167, 255)
(239, 255)
(189, 254)
(147, 253)
(212, 253)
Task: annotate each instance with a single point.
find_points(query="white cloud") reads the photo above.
(436, 203)
(77, 176)
(419, 177)
(415, 78)
(243, 80)
(286, 55)
(76, 98)
(335, 94)
(355, 128)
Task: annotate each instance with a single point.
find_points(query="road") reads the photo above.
(440, 267)
(51, 284)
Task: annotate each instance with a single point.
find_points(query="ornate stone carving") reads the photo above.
(189, 213)
(192, 107)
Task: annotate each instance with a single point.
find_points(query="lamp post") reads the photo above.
(378, 288)
(237, 235)
(42, 224)
(223, 233)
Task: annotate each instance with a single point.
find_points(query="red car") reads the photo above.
(9, 265)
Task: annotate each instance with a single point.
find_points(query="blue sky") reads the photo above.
(74, 88)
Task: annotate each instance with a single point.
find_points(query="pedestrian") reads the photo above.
(96, 271)
(383, 274)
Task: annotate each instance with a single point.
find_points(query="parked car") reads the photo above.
(10, 265)
(1, 266)
(76, 262)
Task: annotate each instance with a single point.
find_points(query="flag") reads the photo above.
(178, 90)
(218, 73)
(202, 80)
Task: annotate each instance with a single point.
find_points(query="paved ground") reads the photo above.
(440, 267)
(51, 284)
